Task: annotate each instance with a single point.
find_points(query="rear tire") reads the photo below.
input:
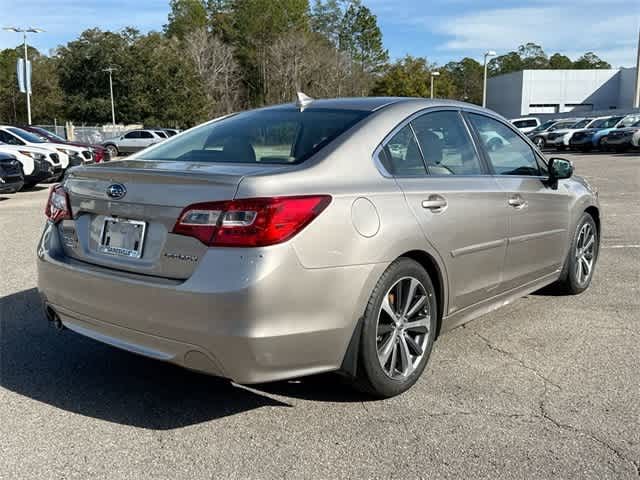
(581, 260)
(398, 330)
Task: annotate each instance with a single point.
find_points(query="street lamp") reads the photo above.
(433, 75)
(24, 32)
(113, 110)
(487, 54)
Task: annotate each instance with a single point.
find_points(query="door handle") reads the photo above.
(435, 203)
(517, 201)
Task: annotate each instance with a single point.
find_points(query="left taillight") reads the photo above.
(250, 222)
(58, 207)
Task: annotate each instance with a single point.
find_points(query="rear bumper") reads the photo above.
(248, 315)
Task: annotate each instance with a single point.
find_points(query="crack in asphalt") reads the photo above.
(544, 413)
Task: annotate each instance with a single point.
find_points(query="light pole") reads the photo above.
(113, 110)
(487, 54)
(26, 62)
(433, 75)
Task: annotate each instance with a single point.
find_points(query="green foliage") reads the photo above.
(185, 16)
(466, 78)
(590, 60)
(408, 77)
(361, 38)
(532, 57)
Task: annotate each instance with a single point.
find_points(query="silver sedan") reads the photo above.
(327, 235)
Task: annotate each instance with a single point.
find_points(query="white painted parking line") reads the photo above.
(621, 246)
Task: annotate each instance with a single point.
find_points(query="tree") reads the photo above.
(326, 19)
(256, 25)
(590, 60)
(508, 63)
(218, 70)
(185, 16)
(558, 61)
(408, 77)
(533, 56)
(361, 38)
(467, 79)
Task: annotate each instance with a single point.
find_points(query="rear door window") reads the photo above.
(446, 145)
(401, 156)
(132, 135)
(146, 135)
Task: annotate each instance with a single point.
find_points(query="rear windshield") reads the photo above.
(525, 123)
(262, 136)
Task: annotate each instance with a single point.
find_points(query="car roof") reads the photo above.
(370, 104)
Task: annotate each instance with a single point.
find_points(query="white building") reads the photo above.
(530, 92)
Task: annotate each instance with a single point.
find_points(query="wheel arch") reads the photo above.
(595, 214)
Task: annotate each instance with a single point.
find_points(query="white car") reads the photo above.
(635, 139)
(526, 124)
(133, 141)
(561, 138)
(16, 136)
(38, 164)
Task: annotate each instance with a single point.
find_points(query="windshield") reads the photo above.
(581, 123)
(605, 122)
(283, 135)
(47, 135)
(562, 125)
(544, 126)
(26, 136)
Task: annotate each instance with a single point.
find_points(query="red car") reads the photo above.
(100, 154)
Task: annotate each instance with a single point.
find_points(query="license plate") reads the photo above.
(122, 237)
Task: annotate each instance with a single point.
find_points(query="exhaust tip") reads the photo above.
(53, 318)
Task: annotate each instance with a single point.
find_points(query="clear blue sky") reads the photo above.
(441, 30)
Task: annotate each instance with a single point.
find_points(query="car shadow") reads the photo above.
(82, 376)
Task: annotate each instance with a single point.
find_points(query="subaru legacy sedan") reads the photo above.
(326, 235)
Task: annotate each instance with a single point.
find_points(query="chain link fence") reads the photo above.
(89, 134)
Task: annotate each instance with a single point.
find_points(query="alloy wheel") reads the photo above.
(585, 253)
(403, 325)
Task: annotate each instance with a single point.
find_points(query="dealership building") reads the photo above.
(537, 92)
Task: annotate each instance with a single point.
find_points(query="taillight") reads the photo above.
(58, 207)
(251, 222)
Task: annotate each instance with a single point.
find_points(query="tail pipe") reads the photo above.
(53, 318)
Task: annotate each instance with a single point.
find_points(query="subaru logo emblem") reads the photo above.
(116, 191)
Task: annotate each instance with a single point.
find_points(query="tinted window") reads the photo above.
(9, 139)
(162, 134)
(446, 145)
(508, 153)
(29, 137)
(282, 135)
(401, 155)
(146, 135)
(525, 123)
(135, 134)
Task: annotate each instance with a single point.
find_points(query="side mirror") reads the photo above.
(559, 168)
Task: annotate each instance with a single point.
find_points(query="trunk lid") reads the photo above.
(132, 233)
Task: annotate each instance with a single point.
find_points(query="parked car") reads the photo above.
(560, 138)
(600, 137)
(526, 124)
(540, 135)
(635, 139)
(171, 131)
(37, 164)
(90, 153)
(329, 235)
(15, 136)
(620, 139)
(132, 141)
(11, 178)
(583, 139)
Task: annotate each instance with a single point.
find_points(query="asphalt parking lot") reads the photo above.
(547, 387)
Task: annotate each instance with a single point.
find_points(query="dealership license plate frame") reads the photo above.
(105, 246)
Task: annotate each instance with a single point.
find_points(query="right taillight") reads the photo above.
(251, 222)
(58, 207)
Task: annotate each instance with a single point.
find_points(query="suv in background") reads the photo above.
(11, 178)
(540, 135)
(90, 153)
(132, 142)
(526, 124)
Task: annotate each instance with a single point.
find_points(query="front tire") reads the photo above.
(399, 328)
(539, 141)
(581, 259)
